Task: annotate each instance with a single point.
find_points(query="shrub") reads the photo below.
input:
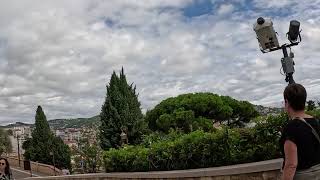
(126, 159)
(315, 113)
(200, 149)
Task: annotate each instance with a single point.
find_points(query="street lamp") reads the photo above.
(18, 150)
(268, 42)
(54, 166)
(124, 138)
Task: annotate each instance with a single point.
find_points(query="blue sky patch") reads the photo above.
(109, 22)
(198, 8)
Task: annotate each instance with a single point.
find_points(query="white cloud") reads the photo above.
(60, 54)
(273, 3)
(225, 9)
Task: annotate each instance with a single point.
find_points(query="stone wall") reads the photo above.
(264, 170)
(35, 166)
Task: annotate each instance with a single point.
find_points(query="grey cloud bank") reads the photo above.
(60, 54)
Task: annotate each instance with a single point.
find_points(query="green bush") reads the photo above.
(126, 159)
(315, 113)
(165, 122)
(204, 124)
(155, 137)
(194, 150)
(200, 149)
(268, 133)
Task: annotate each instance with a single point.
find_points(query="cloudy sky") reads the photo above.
(60, 54)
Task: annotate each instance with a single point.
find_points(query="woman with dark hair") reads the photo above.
(5, 172)
(300, 142)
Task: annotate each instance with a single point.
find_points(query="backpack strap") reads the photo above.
(313, 130)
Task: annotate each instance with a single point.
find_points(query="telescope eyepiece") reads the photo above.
(294, 30)
(260, 20)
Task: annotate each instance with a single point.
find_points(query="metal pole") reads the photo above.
(289, 76)
(284, 50)
(228, 146)
(30, 169)
(18, 150)
(54, 165)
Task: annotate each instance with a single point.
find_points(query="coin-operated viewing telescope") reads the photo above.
(268, 41)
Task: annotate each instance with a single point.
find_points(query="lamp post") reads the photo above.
(268, 42)
(18, 149)
(54, 165)
(124, 138)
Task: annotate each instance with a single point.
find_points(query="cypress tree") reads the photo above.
(43, 142)
(120, 113)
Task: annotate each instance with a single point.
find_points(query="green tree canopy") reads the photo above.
(311, 105)
(90, 153)
(120, 112)
(5, 143)
(44, 146)
(196, 109)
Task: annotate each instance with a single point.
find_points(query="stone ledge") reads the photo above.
(35, 166)
(260, 170)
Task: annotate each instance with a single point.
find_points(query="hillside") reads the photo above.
(74, 123)
(95, 121)
(64, 123)
(16, 125)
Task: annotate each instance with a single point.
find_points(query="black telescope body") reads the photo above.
(294, 30)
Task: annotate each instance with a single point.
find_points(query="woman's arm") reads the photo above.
(291, 160)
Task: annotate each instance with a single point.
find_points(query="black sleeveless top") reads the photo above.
(4, 177)
(308, 146)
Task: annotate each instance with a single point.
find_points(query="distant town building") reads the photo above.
(22, 131)
(71, 144)
(72, 136)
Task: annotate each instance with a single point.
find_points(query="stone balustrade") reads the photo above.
(36, 167)
(264, 170)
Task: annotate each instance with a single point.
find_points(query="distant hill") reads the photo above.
(75, 123)
(16, 125)
(64, 123)
(95, 120)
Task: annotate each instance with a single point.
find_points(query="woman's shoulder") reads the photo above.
(294, 123)
(299, 124)
(298, 120)
(315, 122)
